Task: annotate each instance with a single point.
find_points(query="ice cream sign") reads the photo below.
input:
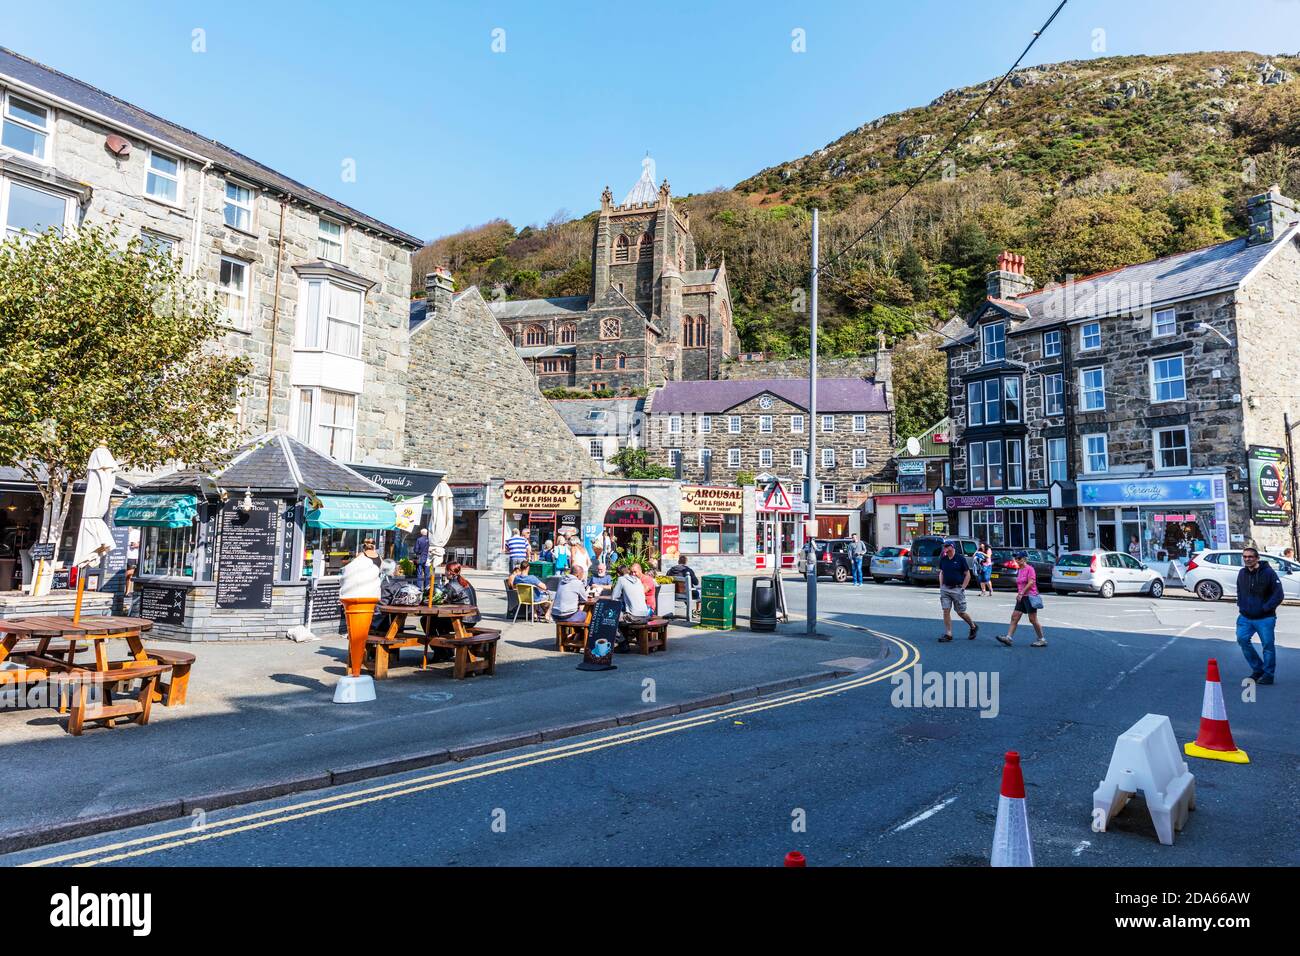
(543, 495)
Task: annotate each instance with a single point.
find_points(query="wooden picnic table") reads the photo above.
(474, 648)
(97, 631)
(572, 635)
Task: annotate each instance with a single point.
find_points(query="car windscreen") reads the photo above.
(889, 552)
(1074, 561)
(927, 549)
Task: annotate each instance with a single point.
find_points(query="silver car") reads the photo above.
(890, 563)
(1106, 573)
(1212, 575)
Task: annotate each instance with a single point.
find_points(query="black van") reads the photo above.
(926, 551)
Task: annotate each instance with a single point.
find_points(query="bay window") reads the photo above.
(993, 462)
(27, 127)
(975, 403)
(1015, 465)
(331, 318)
(31, 209)
(1011, 399)
(975, 461)
(327, 421)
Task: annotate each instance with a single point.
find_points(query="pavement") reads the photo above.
(835, 769)
(260, 721)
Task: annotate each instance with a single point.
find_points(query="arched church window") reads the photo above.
(609, 328)
(621, 249)
(646, 247)
(535, 335)
(597, 362)
(567, 334)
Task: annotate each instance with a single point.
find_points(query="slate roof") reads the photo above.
(526, 308)
(1168, 279)
(419, 309)
(83, 95)
(275, 462)
(699, 277)
(833, 394)
(545, 351)
(620, 414)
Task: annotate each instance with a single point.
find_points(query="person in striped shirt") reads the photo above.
(517, 546)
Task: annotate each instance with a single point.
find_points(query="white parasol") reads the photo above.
(441, 505)
(95, 539)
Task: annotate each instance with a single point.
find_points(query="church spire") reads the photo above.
(645, 190)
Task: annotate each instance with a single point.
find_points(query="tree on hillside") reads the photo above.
(920, 386)
(106, 345)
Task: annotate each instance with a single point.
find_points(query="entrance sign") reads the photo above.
(543, 495)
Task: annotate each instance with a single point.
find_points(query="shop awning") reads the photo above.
(157, 511)
(339, 511)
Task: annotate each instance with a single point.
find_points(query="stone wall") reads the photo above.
(858, 366)
(204, 621)
(475, 411)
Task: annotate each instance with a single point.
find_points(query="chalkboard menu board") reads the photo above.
(43, 551)
(112, 567)
(60, 580)
(162, 604)
(246, 566)
(325, 604)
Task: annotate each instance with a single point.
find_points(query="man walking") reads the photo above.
(1259, 592)
(516, 547)
(420, 554)
(954, 578)
(857, 551)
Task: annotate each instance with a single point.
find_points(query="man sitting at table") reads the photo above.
(631, 591)
(569, 597)
(540, 594)
(682, 572)
(600, 581)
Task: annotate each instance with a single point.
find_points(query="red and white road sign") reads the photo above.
(777, 499)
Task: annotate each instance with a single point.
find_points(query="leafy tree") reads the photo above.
(920, 386)
(911, 269)
(106, 345)
(634, 463)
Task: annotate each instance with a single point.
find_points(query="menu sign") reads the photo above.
(543, 495)
(112, 567)
(325, 604)
(713, 499)
(162, 604)
(43, 551)
(246, 566)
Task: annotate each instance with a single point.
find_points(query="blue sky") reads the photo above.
(447, 133)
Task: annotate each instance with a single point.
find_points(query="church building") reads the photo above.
(651, 316)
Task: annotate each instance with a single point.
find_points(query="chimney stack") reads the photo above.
(1008, 280)
(438, 286)
(1270, 213)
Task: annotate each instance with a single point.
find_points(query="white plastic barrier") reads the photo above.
(1147, 758)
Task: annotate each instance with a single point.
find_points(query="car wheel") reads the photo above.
(1157, 589)
(1107, 589)
(876, 580)
(841, 574)
(1209, 590)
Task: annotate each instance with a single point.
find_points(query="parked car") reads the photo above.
(1106, 573)
(834, 558)
(926, 551)
(889, 563)
(1212, 575)
(1004, 571)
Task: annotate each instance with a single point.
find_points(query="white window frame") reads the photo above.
(242, 322)
(674, 424)
(1087, 454)
(47, 156)
(974, 401)
(596, 448)
(987, 342)
(765, 424)
(1083, 337)
(828, 424)
(322, 242)
(1186, 447)
(674, 456)
(320, 323)
(733, 457)
(703, 455)
(796, 424)
(765, 458)
(1018, 484)
(249, 207)
(179, 178)
(315, 400)
(860, 424)
(733, 424)
(975, 473)
(828, 494)
(156, 240)
(705, 425)
(799, 460)
(1063, 460)
(1059, 407)
(990, 464)
(1084, 390)
(859, 458)
(1155, 323)
(1181, 379)
(1052, 335)
(828, 457)
(6, 188)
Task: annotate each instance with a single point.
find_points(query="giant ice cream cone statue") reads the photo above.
(359, 595)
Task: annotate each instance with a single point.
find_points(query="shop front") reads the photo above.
(632, 519)
(1158, 519)
(404, 484)
(712, 518)
(469, 502)
(541, 510)
(1021, 519)
(896, 519)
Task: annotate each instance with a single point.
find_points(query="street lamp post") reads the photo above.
(1290, 481)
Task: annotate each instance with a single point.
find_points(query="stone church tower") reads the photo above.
(651, 315)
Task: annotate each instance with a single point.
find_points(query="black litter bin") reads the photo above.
(762, 605)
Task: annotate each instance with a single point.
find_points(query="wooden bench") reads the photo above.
(570, 635)
(172, 690)
(650, 636)
(66, 650)
(476, 654)
(383, 652)
(77, 684)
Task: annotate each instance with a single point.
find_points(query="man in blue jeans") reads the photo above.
(857, 551)
(1259, 592)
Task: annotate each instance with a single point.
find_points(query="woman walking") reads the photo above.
(1027, 601)
(984, 568)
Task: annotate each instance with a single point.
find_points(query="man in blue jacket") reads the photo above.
(420, 555)
(1259, 592)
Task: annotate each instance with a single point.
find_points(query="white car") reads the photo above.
(1106, 573)
(1212, 575)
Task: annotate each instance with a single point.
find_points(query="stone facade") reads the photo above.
(473, 410)
(651, 316)
(271, 256)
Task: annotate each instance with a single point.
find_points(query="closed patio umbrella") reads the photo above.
(94, 539)
(440, 519)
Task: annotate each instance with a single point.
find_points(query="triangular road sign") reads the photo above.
(777, 499)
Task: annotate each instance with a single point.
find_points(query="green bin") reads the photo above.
(542, 569)
(718, 612)
(718, 585)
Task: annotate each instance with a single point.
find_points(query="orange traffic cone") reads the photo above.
(1214, 740)
(1011, 846)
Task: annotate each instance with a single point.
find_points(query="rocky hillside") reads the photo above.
(1080, 166)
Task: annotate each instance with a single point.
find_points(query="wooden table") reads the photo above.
(97, 631)
(474, 652)
(572, 635)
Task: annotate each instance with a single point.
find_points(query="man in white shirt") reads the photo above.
(569, 597)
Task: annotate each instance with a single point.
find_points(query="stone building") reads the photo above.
(314, 292)
(651, 316)
(1131, 410)
(604, 425)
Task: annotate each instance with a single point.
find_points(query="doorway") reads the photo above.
(633, 515)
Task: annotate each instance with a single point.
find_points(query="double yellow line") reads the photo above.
(155, 843)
